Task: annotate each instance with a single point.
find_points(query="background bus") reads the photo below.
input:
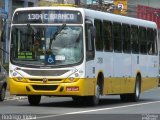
(82, 53)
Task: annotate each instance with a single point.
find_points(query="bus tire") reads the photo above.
(94, 100)
(34, 100)
(136, 95)
(2, 93)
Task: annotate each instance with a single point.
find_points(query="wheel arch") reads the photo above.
(100, 81)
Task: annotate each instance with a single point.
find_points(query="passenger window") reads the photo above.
(142, 40)
(152, 41)
(126, 38)
(117, 37)
(99, 40)
(155, 42)
(107, 36)
(134, 39)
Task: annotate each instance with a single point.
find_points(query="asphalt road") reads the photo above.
(110, 108)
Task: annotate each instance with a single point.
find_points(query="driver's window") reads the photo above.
(89, 41)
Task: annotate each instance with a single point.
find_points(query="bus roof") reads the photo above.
(120, 18)
(98, 15)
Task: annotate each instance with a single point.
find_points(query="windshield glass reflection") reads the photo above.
(46, 45)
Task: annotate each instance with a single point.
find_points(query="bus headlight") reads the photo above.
(73, 78)
(17, 77)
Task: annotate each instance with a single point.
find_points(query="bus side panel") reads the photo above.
(107, 86)
(153, 66)
(149, 83)
(122, 71)
(147, 66)
(126, 83)
(151, 79)
(108, 72)
(129, 85)
(143, 65)
(118, 67)
(135, 64)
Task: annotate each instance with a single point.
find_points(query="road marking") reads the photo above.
(95, 110)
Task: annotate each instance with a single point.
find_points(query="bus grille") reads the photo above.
(45, 72)
(50, 80)
(45, 87)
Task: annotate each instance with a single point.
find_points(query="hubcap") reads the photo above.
(97, 93)
(137, 89)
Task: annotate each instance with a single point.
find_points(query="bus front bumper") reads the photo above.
(82, 87)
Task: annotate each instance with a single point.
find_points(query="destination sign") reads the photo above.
(47, 16)
(51, 17)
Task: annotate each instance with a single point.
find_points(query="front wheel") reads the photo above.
(94, 100)
(34, 100)
(2, 93)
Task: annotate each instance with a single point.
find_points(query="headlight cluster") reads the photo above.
(17, 77)
(74, 77)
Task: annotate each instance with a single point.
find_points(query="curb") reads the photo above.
(13, 97)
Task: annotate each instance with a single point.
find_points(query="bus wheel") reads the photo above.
(94, 100)
(34, 99)
(136, 95)
(2, 93)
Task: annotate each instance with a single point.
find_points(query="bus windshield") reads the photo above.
(46, 45)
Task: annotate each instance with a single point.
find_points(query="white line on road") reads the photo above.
(95, 110)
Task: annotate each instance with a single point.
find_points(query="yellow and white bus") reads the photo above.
(81, 53)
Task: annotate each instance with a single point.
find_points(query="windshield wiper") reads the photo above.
(56, 33)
